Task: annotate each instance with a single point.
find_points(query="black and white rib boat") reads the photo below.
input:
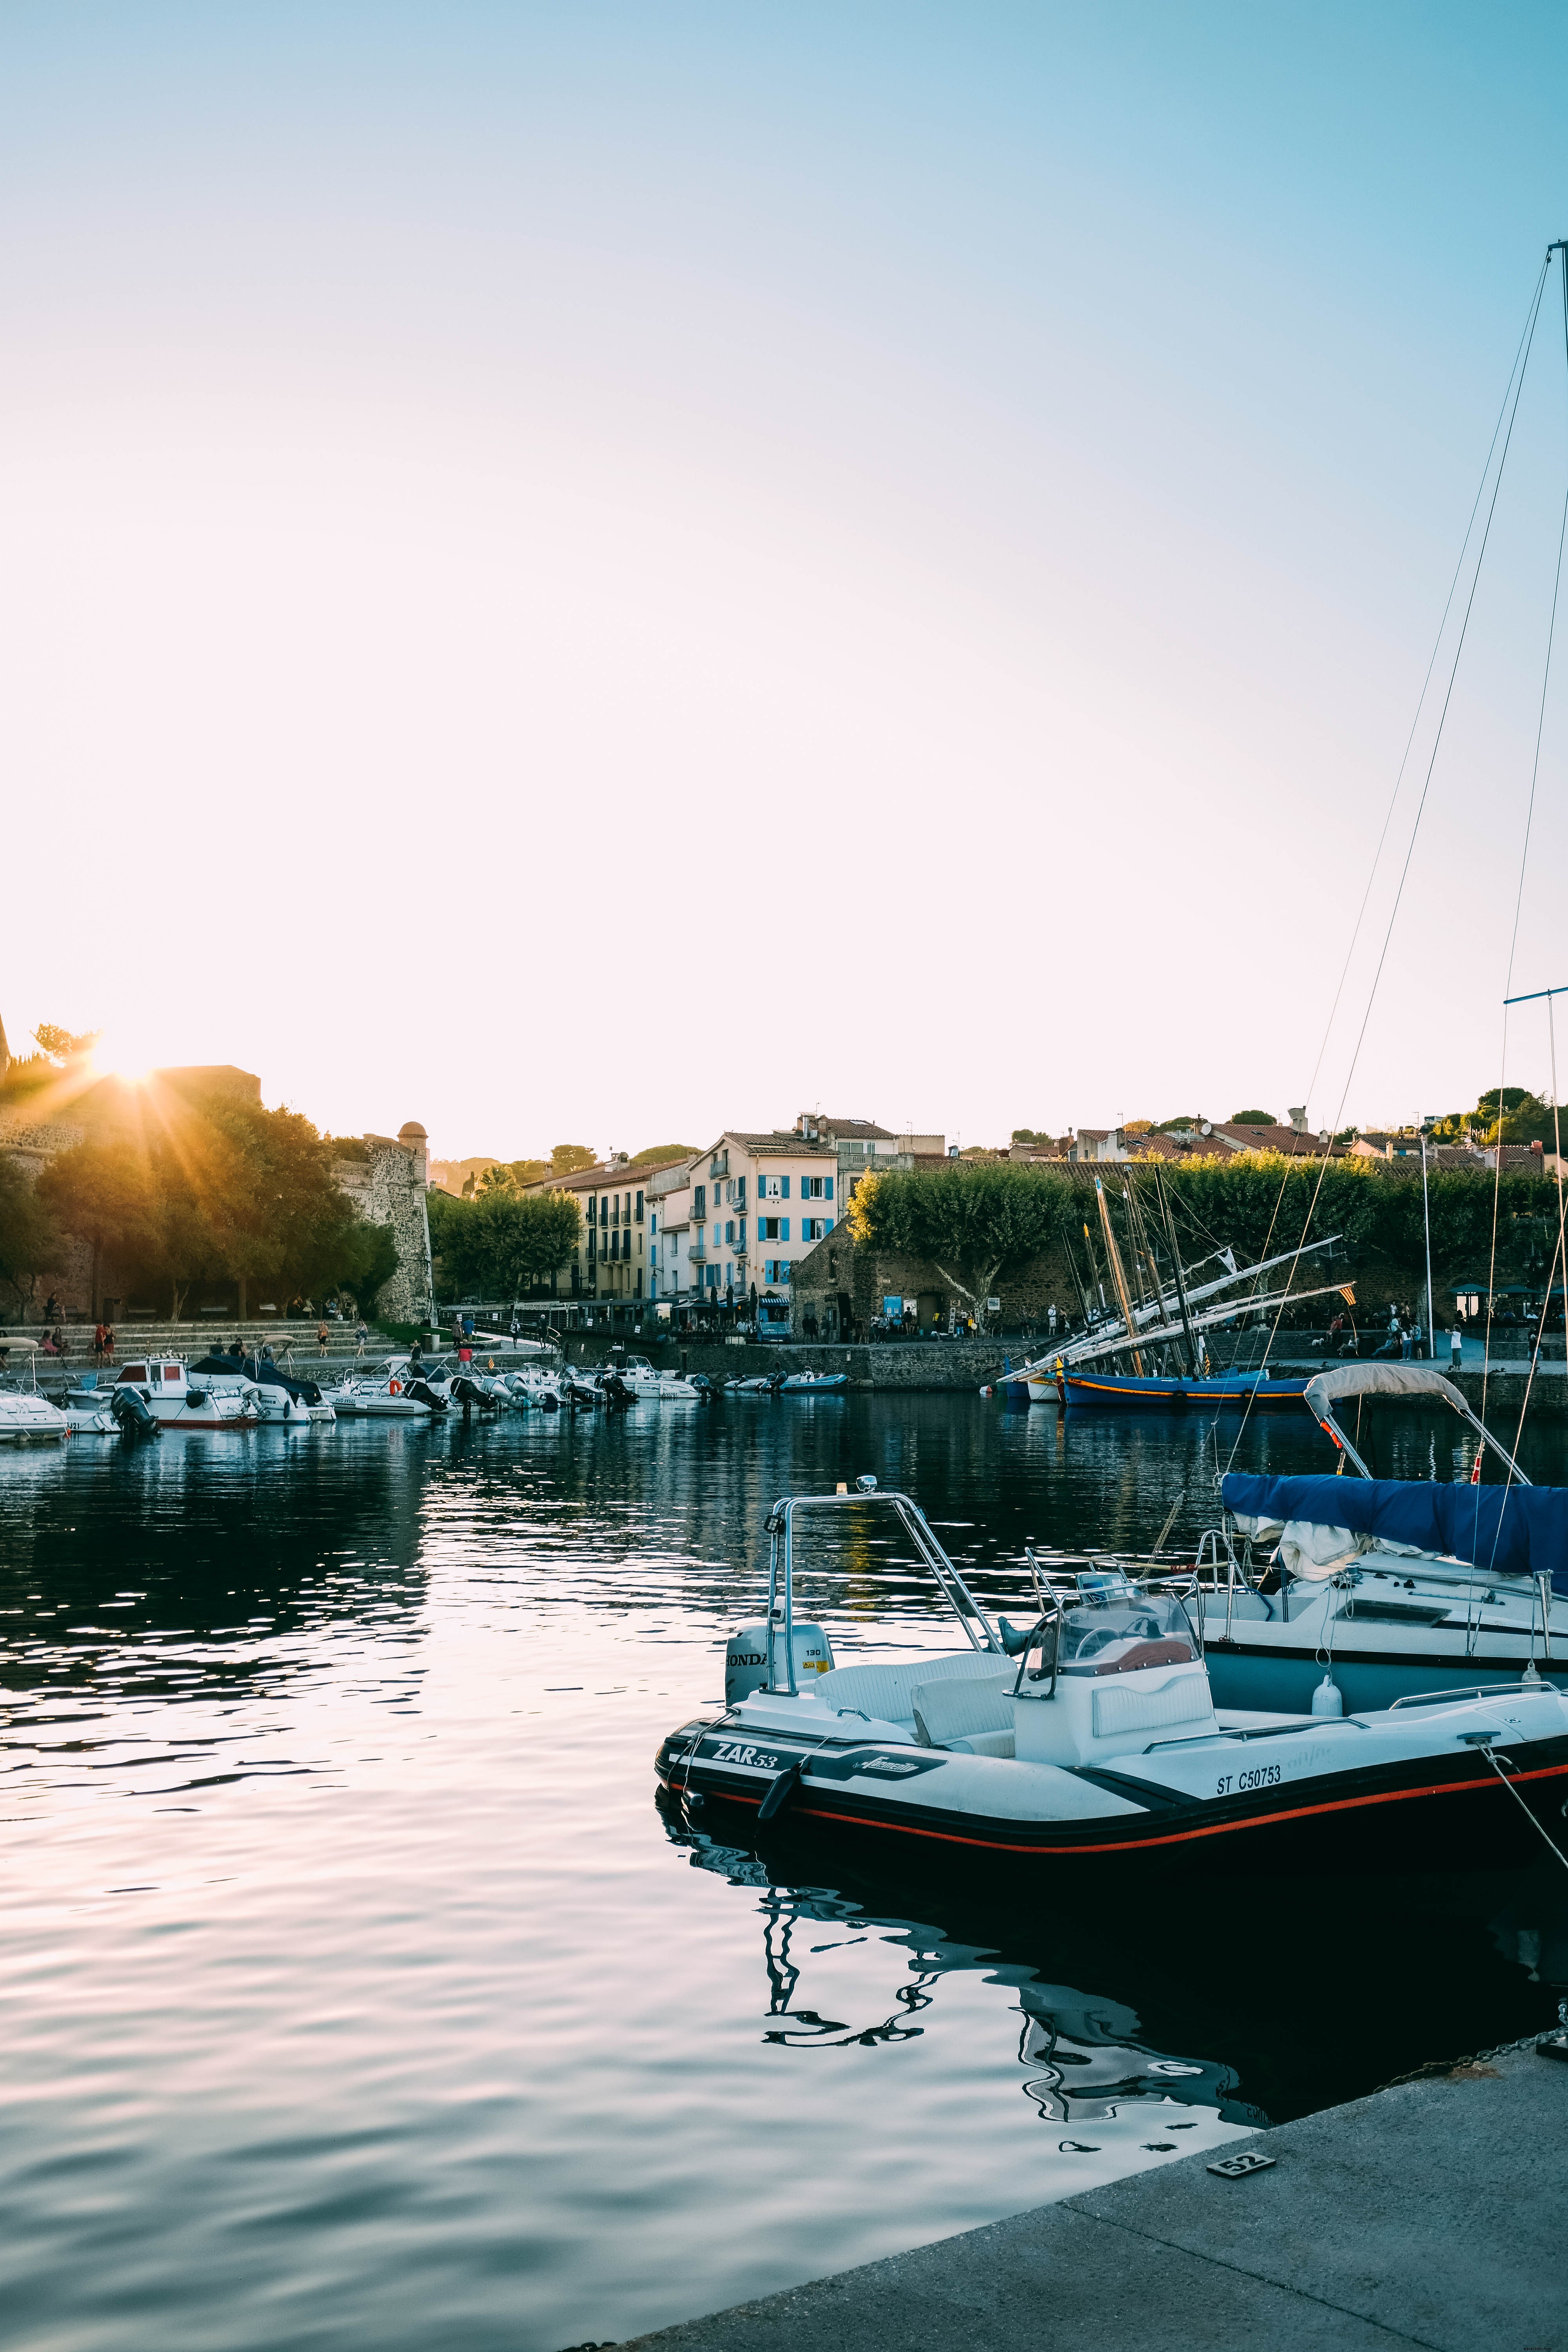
(1092, 1739)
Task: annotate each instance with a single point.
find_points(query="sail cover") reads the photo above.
(1382, 1380)
(1503, 1530)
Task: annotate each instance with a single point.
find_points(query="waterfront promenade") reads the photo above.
(1428, 2214)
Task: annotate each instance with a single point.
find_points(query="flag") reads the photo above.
(1347, 1292)
(1476, 1469)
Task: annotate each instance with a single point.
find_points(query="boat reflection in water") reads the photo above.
(1083, 2060)
(1176, 2047)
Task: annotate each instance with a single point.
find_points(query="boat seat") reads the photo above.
(882, 1690)
(1119, 1713)
(972, 1712)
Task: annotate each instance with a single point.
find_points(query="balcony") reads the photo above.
(697, 1253)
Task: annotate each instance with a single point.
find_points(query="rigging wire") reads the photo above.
(1520, 353)
(1517, 383)
(1513, 936)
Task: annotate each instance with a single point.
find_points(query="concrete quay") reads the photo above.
(1428, 2214)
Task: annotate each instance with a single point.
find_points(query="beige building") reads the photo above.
(613, 1259)
(744, 1213)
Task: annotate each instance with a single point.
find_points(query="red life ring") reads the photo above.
(395, 1387)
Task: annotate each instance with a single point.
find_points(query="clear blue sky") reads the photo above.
(676, 564)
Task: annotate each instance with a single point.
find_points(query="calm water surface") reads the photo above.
(359, 1994)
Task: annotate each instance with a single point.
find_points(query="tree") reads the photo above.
(457, 1238)
(61, 1046)
(570, 1159)
(971, 1222)
(101, 1192)
(30, 1241)
(1253, 1119)
(503, 1242)
(524, 1237)
(656, 1153)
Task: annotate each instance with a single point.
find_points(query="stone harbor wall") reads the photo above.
(388, 1188)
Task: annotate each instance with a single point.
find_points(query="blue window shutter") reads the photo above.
(783, 1225)
(784, 1188)
(828, 1227)
(827, 1189)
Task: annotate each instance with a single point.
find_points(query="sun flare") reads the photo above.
(118, 1055)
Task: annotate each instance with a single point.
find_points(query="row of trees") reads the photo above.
(224, 1193)
(502, 1241)
(974, 1223)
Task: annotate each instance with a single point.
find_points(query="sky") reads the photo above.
(600, 573)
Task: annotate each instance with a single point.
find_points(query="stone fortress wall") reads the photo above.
(388, 1188)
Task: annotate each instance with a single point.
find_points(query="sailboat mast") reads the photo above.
(1117, 1274)
(1194, 1367)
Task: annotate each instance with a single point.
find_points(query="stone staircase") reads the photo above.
(133, 1341)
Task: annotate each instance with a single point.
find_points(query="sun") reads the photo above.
(118, 1053)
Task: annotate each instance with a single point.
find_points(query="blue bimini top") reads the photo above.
(1502, 1530)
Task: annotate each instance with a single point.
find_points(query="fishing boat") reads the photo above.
(1092, 1739)
(1386, 1586)
(175, 1401)
(1213, 1393)
(1169, 1327)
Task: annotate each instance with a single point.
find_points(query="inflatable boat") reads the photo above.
(1092, 1738)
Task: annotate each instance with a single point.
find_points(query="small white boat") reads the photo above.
(276, 1395)
(394, 1391)
(535, 1390)
(89, 1412)
(26, 1415)
(1091, 1741)
(166, 1387)
(1398, 1585)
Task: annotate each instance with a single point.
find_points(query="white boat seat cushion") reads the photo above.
(962, 1708)
(1120, 1711)
(882, 1689)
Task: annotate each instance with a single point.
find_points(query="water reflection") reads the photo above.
(329, 1794)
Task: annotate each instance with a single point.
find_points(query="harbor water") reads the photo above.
(360, 1993)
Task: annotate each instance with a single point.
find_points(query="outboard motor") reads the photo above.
(746, 1658)
(422, 1394)
(617, 1394)
(135, 1414)
(467, 1392)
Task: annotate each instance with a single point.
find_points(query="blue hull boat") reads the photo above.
(1217, 1390)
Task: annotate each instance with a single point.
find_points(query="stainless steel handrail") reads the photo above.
(950, 1583)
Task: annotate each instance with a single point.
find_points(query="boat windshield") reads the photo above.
(1117, 1630)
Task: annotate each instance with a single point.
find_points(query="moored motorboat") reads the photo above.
(27, 1417)
(397, 1389)
(175, 1401)
(1391, 1586)
(812, 1383)
(276, 1395)
(1094, 1739)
